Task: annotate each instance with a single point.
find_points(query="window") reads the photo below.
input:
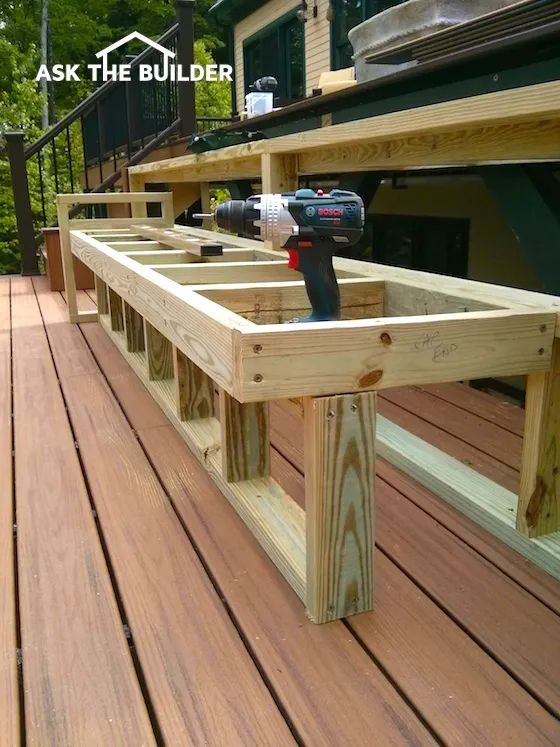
(347, 14)
(277, 50)
(422, 243)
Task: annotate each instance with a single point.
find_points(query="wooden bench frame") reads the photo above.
(189, 333)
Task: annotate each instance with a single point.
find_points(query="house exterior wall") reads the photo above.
(317, 45)
(317, 41)
(265, 15)
(495, 255)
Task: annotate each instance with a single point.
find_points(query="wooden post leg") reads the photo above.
(101, 295)
(339, 453)
(159, 352)
(134, 329)
(538, 510)
(115, 311)
(205, 204)
(279, 174)
(67, 261)
(245, 439)
(136, 183)
(195, 390)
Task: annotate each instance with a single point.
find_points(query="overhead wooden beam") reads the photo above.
(516, 123)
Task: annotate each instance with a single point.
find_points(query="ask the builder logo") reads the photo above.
(164, 70)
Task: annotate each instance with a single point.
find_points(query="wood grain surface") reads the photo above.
(244, 439)
(203, 685)
(339, 448)
(79, 681)
(115, 310)
(134, 329)
(159, 352)
(9, 702)
(194, 389)
(467, 586)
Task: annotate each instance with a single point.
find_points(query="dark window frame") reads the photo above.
(281, 25)
(341, 50)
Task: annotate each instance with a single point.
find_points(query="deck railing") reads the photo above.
(116, 126)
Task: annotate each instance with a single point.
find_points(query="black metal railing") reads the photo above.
(116, 126)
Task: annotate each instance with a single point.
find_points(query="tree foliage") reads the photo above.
(77, 30)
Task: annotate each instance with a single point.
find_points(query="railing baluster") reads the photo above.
(69, 151)
(41, 186)
(99, 130)
(55, 166)
(84, 152)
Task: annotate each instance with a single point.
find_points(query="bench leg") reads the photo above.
(538, 509)
(339, 451)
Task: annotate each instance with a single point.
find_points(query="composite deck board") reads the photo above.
(466, 696)
(9, 700)
(330, 688)
(532, 578)
(486, 406)
(297, 656)
(79, 682)
(203, 685)
(461, 691)
(473, 456)
(504, 445)
(494, 609)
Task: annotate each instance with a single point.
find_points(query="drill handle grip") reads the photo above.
(321, 285)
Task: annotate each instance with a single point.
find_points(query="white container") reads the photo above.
(259, 102)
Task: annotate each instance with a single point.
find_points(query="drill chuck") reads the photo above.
(311, 226)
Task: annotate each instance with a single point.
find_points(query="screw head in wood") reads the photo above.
(257, 378)
(257, 348)
(543, 328)
(353, 407)
(330, 414)
(541, 351)
(385, 338)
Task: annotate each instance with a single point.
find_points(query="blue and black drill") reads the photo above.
(311, 226)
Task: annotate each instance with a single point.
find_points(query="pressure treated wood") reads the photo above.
(79, 683)
(159, 352)
(115, 310)
(101, 294)
(134, 329)
(339, 501)
(9, 702)
(244, 439)
(538, 511)
(472, 589)
(194, 389)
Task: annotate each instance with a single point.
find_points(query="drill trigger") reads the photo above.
(293, 259)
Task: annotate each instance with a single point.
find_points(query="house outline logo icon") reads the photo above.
(104, 53)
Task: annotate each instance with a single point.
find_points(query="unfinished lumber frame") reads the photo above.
(202, 324)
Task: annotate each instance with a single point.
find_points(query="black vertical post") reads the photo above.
(185, 58)
(24, 216)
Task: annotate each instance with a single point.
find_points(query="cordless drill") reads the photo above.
(311, 226)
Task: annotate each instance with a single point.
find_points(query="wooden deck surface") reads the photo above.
(136, 608)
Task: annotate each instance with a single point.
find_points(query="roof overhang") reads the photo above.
(233, 11)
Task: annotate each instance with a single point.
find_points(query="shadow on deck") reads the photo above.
(145, 612)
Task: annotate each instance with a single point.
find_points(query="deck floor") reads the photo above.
(135, 607)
